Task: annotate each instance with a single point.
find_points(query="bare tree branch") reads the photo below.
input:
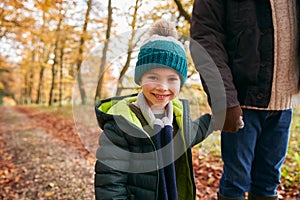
(182, 12)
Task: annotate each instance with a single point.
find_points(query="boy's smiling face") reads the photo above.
(160, 86)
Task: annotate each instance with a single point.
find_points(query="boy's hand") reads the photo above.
(233, 119)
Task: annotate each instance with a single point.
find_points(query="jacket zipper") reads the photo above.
(157, 166)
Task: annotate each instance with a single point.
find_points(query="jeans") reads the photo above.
(253, 156)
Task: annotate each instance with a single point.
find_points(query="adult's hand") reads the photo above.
(233, 119)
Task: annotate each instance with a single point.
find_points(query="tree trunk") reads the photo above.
(130, 48)
(43, 63)
(40, 85)
(104, 52)
(25, 101)
(53, 69)
(80, 56)
(31, 76)
(61, 72)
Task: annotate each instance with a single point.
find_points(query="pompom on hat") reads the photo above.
(162, 50)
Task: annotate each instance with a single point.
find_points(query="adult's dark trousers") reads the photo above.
(254, 155)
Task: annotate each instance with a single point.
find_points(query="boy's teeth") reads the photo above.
(160, 96)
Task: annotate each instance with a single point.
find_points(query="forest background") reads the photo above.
(64, 56)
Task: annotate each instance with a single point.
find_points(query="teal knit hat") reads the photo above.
(161, 52)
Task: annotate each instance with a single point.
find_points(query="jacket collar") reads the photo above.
(118, 106)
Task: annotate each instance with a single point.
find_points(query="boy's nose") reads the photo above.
(161, 86)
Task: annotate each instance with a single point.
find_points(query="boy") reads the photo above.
(145, 148)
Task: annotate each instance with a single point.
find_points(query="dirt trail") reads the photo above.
(37, 163)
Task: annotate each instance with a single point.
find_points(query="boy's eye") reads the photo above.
(152, 77)
(173, 79)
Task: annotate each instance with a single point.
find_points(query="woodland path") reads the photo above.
(39, 163)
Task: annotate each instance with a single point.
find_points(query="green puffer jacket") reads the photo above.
(126, 166)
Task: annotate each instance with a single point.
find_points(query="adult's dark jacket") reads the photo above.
(239, 36)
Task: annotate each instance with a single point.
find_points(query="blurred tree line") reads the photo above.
(51, 49)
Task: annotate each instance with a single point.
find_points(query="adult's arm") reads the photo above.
(208, 29)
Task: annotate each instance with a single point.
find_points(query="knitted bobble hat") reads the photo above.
(162, 50)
